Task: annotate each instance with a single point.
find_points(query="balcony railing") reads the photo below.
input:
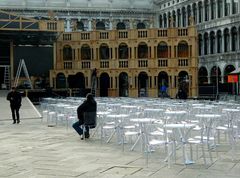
(142, 63)
(104, 64)
(123, 63)
(162, 33)
(162, 63)
(67, 65)
(183, 32)
(142, 34)
(123, 34)
(104, 35)
(67, 36)
(86, 65)
(85, 36)
(183, 62)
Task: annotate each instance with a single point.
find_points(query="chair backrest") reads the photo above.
(90, 119)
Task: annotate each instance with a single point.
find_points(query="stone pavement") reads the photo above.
(33, 150)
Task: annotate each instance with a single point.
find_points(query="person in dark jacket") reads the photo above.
(89, 105)
(15, 99)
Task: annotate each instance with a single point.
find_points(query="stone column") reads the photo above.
(89, 25)
(230, 41)
(223, 40)
(197, 14)
(231, 7)
(223, 8)
(68, 26)
(176, 18)
(203, 11)
(217, 9)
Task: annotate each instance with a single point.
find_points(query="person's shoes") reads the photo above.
(18, 121)
(14, 122)
(87, 135)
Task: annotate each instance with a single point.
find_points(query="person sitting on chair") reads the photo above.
(89, 105)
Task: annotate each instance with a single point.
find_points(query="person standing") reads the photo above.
(89, 105)
(15, 99)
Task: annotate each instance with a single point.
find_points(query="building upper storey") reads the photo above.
(76, 4)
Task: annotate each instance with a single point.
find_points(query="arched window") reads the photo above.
(67, 53)
(174, 18)
(121, 26)
(215, 75)
(179, 18)
(188, 13)
(60, 81)
(200, 11)
(228, 70)
(184, 17)
(206, 3)
(227, 7)
(212, 42)
(123, 51)
(234, 38)
(141, 25)
(220, 8)
(235, 6)
(85, 52)
(183, 49)
(219, 41)
(206, 43)
(100, 26)
(194, 12)
(160, 21)
(104, 51)
(213, 6)
(226, 40)
(162, 50)
(142, 50)
(202, 75)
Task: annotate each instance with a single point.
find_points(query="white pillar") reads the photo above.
(223, 8)
(203, 11)
(231, 7)
(68, 28)
(89, 25)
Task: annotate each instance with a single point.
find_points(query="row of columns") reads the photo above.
(225, 41)
(199, 11)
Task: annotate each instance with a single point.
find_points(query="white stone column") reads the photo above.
(230, 41)
(237, 42)
(89, 25)
(181, 18)
(68, 26)
(197, 14)
(223, 8)
(167, 21)
(110, 24)
(216, 1)
(176, 23)
(231, 7)
(223, 40)
(203, 11)
(238, 10)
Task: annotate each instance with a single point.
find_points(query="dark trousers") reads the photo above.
(15, 113)
(77, 126)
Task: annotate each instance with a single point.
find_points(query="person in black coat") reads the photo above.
(15, 99)
(89, 105)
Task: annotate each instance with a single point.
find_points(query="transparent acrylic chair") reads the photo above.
(157, 137)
